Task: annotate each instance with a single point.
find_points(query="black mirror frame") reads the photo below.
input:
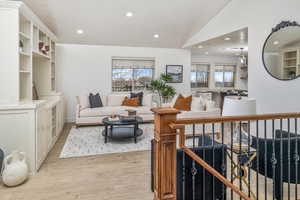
(281, 25)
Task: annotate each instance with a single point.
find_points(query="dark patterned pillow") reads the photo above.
(140, 95)
(95, 100)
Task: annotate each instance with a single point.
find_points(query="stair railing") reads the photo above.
(240, 178)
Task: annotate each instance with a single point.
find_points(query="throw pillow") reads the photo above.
(147, 100)
(131, 101)
(140, 95)
(198, 104)
(95, 100)
(183, 103)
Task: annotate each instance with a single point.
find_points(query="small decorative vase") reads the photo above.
(15, 170)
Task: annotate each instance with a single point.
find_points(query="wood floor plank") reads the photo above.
(105, 177)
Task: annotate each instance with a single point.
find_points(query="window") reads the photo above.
(131, 75)
(224, 75)
(200, 75)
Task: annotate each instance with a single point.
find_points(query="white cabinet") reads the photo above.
(27, 124)
(29, 128)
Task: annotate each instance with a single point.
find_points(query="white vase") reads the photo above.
(15, 169)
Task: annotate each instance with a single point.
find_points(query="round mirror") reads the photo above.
(281, 52)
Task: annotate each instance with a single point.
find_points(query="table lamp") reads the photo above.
(239, 106)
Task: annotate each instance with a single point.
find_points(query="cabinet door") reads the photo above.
(43, 135)
(48, 132)
(40, 141)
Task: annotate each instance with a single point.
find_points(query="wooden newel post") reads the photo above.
(164, 154)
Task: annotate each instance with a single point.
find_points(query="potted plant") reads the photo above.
(164, 91)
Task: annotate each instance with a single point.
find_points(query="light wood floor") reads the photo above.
(103, 177)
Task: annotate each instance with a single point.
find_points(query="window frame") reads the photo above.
(234, 71)
(208, 71)
(133, 87)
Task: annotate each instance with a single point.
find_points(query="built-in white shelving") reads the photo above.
(29, 63)
(290, 63)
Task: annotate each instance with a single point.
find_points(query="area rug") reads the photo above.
(88, 141)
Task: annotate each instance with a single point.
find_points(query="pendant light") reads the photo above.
(243, 58)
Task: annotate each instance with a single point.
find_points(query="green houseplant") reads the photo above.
(164, 91)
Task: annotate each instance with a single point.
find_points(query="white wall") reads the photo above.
(213, 60)
(260, 17)
(83, 68)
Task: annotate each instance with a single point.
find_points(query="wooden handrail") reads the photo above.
(215, 173)
(201, 162)
(208, 120)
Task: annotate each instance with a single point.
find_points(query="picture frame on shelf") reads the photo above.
(176, 72)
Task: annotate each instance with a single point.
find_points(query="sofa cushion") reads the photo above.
(103, 111)
(113, 110)
(115, 99)
(210, 105)
(140, 95)
(143, 110)
(197, 114)
(198, 103)
(131, 101)
(83, 101)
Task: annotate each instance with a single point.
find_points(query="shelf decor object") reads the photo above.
(281, 51)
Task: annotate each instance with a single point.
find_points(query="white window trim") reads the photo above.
(234, 77)
(131, 59)
(209, 72)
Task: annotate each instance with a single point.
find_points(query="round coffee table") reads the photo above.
(120, 129)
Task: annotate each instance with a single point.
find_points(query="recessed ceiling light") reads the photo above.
(206, 53)
(156, 36)
(200, 46)
(129, 14)
(276, 42)
(227, 38)
(79, 31)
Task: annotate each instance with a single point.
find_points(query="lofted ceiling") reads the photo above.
(104, 21)
(226, 45)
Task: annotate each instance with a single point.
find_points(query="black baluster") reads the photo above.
(296, 159)
(273, 158)
(194, 128)
(203, 169)
(213, 158)
(281, 161)
(231, 155)
(223, 161)
(266, 163)
(257, 160)
(289, 159)
(249, 164)
(183, 175)
(194, 170)
(240, 153)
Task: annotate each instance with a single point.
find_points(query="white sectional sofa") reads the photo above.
(112, 104)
